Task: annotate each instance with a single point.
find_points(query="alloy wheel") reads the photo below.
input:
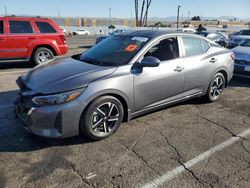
(104, 118)
(217, 88)
(44, 57)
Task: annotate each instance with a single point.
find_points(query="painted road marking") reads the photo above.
(175, 172)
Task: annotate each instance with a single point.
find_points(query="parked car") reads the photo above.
(236, 38)
(217, 37)
(64, 30)
(187, 30)
(124, 76)
(81, 32)
(242, 59)
(101, 38)
(31, 39)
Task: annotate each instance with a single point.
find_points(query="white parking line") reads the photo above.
(11, 72)
(175, 172)
(6, 106)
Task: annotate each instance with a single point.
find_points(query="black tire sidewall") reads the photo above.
(209, 97)
(38, 50)
(86, 120)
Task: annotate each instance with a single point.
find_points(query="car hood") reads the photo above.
(63, 75)
(242, 53)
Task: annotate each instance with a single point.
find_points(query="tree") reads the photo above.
(196, 18)
(143, 15)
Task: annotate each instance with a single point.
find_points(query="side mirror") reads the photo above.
(150, 61)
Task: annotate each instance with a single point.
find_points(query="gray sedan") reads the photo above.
(124, 76)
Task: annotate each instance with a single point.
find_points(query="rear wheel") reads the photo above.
(42, 55)
(215, 88)
(102, 118)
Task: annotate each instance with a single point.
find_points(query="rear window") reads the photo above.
(45, 27)
(20, 27)
(1, 27)
(193, 46)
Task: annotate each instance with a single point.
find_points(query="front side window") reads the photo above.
(20, 27)
(114, 51)
(192, 46)
(45, 27)
(166, 49)
(1, 27)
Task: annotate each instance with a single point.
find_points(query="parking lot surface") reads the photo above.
(193, 144)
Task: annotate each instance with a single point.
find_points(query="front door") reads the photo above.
(157, 85)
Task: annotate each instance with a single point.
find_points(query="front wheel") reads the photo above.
(102, 118)
(215, 88)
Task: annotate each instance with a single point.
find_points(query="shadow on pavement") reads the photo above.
(238, 81)
(20, 65)
(14, 138)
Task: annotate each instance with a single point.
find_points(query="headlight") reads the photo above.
(57, 98)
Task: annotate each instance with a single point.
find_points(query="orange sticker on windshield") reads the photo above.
(130, 48)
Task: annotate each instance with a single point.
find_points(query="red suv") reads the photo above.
(34, 39)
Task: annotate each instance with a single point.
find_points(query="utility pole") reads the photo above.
(58, 11)
(5, 8)
(110, 10)
(178, 15)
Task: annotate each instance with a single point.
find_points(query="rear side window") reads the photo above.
(193, 46)
(244, 32)
(1, 27)
(205, 45)
(45, 27)
(20, 27)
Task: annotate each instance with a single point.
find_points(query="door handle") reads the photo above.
(178, 69)
(213, 60)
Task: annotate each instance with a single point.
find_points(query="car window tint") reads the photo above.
(20, 27)
(45, 27)
(166, 49)
(1, 27)
(205, 45)
(192, 46)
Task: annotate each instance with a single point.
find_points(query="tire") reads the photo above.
(215, 88)
(42, 55)
(102, 118)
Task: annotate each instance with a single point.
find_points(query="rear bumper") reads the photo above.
(242, 70)
(62, 49)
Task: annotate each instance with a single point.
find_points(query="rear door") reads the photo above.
(3, 41)
(199, 64)
(20, 35)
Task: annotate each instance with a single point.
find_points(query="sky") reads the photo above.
(124, 8)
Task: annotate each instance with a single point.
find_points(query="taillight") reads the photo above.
(232, 56)
(63, 38)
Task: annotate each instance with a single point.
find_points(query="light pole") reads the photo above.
(178, 14)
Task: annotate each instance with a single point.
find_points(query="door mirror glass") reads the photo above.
(150, 61)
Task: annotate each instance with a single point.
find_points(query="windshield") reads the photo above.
(114, 51)
(244, 32)
(246, 44)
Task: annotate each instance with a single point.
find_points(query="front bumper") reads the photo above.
(55, 121)
(242, 70)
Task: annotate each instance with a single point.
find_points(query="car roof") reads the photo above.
(25, 18)
(149, 33)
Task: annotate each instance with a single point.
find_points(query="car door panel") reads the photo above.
(158, 84)
(3, 42)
